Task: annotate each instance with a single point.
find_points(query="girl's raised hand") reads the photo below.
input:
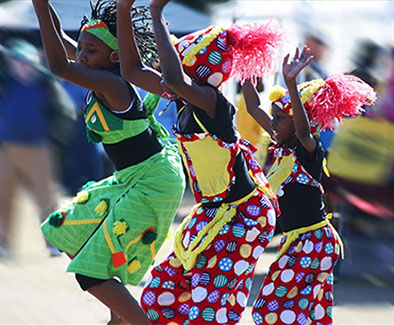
(292, 69)
(159, 4)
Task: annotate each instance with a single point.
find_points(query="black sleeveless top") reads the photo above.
(302, 205)
(133, 150)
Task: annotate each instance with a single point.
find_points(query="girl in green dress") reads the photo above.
(113, 228)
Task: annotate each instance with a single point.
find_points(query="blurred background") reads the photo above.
(45, 157)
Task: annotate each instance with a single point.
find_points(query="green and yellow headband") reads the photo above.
(100, 29)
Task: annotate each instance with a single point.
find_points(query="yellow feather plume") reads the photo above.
(276, 93)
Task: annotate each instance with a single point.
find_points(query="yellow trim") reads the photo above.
(181, 109)
(152, 250)
(108, 238)
(310, 88)
(199, 123)
(96, 109)
(213, 33)
(224, 214)
(90, 113)
(262, 185)
(325, 168)
(196, 119)
(152, 246)
(133, 242)
(294, 234)
(80, 222)
(243, 199)
(328, 217)
(279, 172)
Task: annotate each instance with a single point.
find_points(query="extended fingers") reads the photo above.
(307, 60)
(286, 59)
(297, 53)
(306, 53)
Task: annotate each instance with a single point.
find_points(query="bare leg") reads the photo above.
(116, 320)
(117, 298)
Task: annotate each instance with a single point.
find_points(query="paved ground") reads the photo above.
(34, 288)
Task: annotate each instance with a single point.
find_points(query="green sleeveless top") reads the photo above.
(106, 127)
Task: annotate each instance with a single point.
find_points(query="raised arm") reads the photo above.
(69, 43)
(290, 71)
(54, 48)
(132, 68)
(204, 97)
(111, 86)
(253, 106)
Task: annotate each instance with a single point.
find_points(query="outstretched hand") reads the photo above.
(292, 69)
(159, 3)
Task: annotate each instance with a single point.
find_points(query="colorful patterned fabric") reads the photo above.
(216, 289)
(327, 101)
(257, 173)
(104, 126)
(245, 51)
(210, 171)
(287, 169)
(281, 98)
(210, 162)
(115, 227)
(206, 55)
(298, 288)
(100, 29)
(188, 249)
(208, 277)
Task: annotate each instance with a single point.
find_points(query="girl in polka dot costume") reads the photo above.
(298, 288)
(207, 279)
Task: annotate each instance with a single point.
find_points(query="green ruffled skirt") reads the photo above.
(115, 227)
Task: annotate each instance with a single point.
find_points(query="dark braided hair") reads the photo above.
(105, 10)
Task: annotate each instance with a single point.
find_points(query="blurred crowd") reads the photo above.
(41, 139)
(44, 150)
